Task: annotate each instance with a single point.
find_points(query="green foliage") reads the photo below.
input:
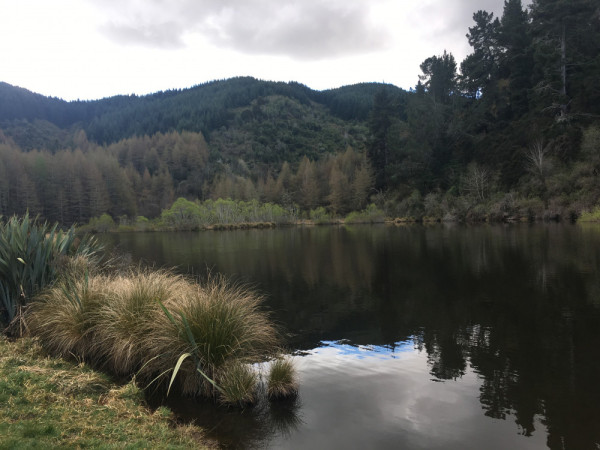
(439, 76)
(590, 216)
(182, 215)
(30, 257)
(531, 76)
(320, 216)
(100, 224)
(371, 214)
(187, 215)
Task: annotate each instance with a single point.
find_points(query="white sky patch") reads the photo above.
(98, 48)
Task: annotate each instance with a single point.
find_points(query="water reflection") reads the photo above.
(508, 316)
(254, 427)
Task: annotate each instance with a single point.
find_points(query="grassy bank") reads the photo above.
(51, 403)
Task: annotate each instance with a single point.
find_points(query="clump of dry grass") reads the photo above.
(128, 316)
(281, 382)
(216, 324)
(64, 316)
(238, 384)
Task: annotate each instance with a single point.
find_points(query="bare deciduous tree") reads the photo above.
(537, 157)
(476, 181)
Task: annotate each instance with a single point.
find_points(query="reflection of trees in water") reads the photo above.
(533, 342)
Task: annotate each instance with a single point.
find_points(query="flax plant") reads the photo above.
(30, 253)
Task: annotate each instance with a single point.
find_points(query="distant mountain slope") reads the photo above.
(203, 108)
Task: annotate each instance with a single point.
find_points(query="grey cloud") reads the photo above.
(159, 35)
(446, 23)
(301, 29)
(458, 15)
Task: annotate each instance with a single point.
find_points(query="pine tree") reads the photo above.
(439, 76)
(479, 69)
(517, 58)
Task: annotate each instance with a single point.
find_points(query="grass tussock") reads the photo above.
(52, 403)
(238, 385)
(216, 324)
(169, 332)
(282, 379)
(64, 316)
(128, 315)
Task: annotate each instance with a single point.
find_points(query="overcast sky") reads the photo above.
(90, 49)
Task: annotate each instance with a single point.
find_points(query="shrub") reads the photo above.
(590, 216)
(238, 383)
(320, 215)
(371, 214)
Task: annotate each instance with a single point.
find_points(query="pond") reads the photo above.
(442, 336)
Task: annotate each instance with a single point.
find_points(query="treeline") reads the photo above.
(142, 176)
(515, 128)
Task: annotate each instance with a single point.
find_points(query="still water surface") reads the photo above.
(414, 337)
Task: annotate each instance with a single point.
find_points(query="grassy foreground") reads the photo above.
(51, 403)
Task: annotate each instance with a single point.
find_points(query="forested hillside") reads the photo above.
(512, 131)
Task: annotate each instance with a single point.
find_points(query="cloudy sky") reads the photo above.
(90, 49)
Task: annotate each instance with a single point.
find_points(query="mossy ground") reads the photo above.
(52, 403)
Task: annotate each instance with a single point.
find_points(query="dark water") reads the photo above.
(415, 337)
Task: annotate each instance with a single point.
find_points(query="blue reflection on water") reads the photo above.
(345, 347)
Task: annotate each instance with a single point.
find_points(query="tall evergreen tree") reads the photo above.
(439, 76)
(479, 69)
(517, 59)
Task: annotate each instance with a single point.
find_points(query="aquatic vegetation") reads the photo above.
(238, 384)
(282, 381)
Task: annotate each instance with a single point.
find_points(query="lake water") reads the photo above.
(413, 337)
